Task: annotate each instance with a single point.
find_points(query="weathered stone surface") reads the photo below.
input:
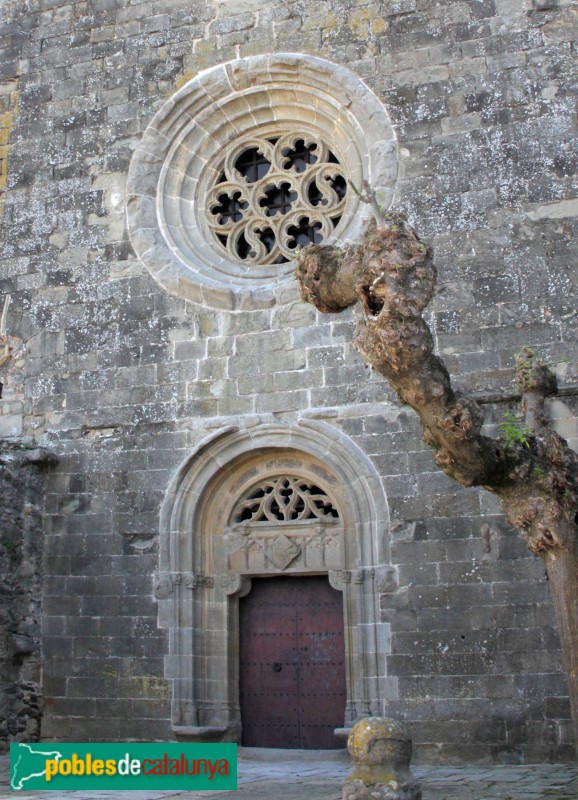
(123, 380)
(22, 479)
(380, 750)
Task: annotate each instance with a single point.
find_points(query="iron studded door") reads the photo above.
(292, 670)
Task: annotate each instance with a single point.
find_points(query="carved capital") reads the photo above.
(231, 582)
(164, 584)
(234, 583)
(195, 580)
(363, 574)
(339, 578)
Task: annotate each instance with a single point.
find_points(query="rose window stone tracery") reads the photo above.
(248, 161)
(274, 195)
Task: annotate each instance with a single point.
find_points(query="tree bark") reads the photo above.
(534, 472)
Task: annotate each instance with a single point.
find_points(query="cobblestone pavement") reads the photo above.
(295, 775)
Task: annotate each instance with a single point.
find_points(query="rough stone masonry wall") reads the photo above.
(22, 478)
(122, 380)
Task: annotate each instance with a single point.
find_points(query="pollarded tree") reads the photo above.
(533, 471)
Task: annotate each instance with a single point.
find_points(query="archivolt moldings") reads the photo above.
(204, 228)
(165, 583)
(205, 549)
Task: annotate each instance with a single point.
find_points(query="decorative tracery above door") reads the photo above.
(284, 523)
(284, 498)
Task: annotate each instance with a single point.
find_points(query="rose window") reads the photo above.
(273, 195)
(246, 163)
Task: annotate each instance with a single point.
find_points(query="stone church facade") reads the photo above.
(182, 436)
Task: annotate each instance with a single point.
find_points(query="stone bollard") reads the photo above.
(381, 751)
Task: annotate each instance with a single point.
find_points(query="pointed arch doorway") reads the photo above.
(254, 505)
(292, 682)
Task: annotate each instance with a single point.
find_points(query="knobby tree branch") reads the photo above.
(392, 276)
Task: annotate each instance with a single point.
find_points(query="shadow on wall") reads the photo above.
(22, 474)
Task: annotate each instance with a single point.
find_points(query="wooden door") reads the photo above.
(292, 666)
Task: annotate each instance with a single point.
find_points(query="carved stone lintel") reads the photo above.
(283, 551)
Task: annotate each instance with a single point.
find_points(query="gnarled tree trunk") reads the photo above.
(534, 473)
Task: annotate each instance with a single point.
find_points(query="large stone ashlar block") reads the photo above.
(381, 751)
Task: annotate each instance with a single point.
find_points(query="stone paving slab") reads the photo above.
(296, 775)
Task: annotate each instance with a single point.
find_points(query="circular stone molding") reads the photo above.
(210, 232)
